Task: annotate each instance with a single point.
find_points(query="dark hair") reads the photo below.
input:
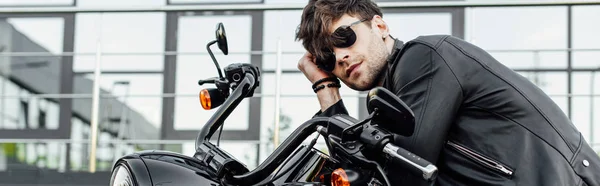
(319, 15)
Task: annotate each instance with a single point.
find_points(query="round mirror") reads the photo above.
(221, 38)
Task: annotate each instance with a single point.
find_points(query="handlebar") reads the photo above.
(217, 119)
(280, 154)
(412, 162)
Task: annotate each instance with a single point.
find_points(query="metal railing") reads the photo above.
(32, 151)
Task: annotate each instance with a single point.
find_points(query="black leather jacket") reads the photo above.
(481, 122)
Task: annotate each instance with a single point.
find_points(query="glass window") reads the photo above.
(139, 92)
(520, 28)
(585, 36)
(281, 25)
(120, 3)
(79, 150)
(17, 3)
(41, 74)
(194, 33)
(212, 1)
(42, 114)
(120, 33)
(586, 102)
(407, 26)
(10, 107)
(304, 2)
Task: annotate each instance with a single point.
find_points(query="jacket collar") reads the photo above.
(391, 61)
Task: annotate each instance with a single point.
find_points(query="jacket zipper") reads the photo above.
(487, 162)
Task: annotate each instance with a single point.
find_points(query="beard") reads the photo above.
(375, 61)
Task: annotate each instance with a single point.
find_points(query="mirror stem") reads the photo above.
(213, 58)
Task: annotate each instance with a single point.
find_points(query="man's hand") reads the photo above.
(327, 96)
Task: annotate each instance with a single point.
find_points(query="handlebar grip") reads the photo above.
(412, 162)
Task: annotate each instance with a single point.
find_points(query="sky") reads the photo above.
(527, 28)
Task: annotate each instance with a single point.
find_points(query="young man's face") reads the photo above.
(360, 65)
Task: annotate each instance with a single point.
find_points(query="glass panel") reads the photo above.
(281, 25)
(193, 36)
(585, 26)
(117, 119)
(120, 33)
(19, 110)
(35, 3)
(212, 1)
(407, 26)
(585, 36)
(304, 2)
(139, 92)
(586, 103)
(40, 74)
(120, 3)
(520, 28)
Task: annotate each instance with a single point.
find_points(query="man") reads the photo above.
(478, 121)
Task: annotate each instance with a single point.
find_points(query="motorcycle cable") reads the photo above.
(276, 176)
(219, 137)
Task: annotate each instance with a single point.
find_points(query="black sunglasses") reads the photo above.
(343, 37)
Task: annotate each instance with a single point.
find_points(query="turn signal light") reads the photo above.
(205, 99)
(211, 98)
(339, 178)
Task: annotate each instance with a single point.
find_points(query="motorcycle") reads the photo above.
(356, 148)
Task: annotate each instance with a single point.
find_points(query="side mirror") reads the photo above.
(221, 38)
(392, 113)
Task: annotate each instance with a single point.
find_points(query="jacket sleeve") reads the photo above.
(337, 108)
(423, 80)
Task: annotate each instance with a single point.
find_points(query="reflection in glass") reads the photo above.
(40, 74)
(116, 119)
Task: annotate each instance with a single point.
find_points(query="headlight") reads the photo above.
(121, 177)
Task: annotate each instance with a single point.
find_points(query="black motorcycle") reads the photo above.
(356, 148)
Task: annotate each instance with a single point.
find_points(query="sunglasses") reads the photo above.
(343, 37)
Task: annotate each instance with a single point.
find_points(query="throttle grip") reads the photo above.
(412, 162)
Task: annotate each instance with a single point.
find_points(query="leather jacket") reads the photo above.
(480, 122)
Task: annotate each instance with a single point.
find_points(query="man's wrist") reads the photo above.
(328, 96)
